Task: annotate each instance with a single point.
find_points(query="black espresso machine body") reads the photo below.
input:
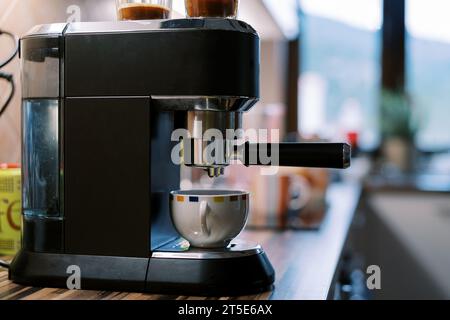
(100, 103)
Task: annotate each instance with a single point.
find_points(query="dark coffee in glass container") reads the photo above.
(212, 8)
(140, 11)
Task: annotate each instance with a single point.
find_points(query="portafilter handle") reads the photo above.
(308, 155)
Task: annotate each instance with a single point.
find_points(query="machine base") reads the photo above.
(202, 273)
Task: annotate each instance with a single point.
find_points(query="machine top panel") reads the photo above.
(59, 29)
(153, 25)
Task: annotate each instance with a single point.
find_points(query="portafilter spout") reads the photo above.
(211, 141)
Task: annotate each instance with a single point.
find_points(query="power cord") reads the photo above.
(7, 76)
(4, 264)
(16, 47)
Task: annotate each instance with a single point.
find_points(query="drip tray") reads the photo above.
(180, 249)
(240, 269)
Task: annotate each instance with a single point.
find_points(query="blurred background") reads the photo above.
(371, 72)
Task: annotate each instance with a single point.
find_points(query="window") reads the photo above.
(340, 72)
(428, 70)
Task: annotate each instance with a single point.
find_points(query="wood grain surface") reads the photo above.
(305, 261)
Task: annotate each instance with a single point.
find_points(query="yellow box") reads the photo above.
(10, 210)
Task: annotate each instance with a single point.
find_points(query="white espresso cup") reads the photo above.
(209, 218)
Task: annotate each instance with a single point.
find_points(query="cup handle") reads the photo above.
(204, 209)
(303, 189)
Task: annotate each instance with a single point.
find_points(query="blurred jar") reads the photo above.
(212, 8)
(143, 9)
(313, 213)
(278, 199)
(10, 209)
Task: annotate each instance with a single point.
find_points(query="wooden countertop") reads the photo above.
(305, 261)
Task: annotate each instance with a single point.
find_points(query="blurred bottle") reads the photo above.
(351, 122)
(353, 139)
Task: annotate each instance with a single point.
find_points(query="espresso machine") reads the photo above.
(100, 104)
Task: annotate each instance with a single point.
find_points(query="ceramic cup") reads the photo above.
(209, 218)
